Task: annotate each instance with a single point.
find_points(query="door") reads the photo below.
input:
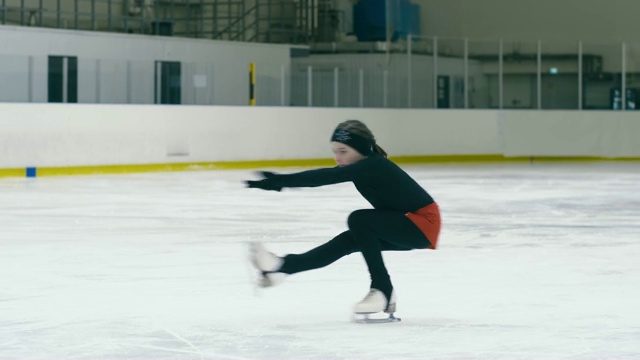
(168, 83)
(63, 79)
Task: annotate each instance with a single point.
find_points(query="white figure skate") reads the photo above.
(375, 302)
(267, 264)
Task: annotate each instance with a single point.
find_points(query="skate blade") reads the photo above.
(377, 318)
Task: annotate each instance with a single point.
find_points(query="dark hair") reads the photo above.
(359, 128)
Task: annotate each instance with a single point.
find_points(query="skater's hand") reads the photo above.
(267, 183)
(267, 174)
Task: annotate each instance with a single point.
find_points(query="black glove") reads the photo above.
(267, 183)
(267, 174)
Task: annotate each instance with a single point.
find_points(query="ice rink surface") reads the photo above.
(536, 261)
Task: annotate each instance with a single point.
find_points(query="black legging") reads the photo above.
(370, 232)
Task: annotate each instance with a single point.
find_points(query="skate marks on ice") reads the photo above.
(375, 318)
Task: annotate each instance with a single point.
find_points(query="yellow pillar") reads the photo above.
(252, 84)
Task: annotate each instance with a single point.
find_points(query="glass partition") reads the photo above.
(632, 76)
(560, 85)
(370, 87)
(484, 69)
(397, 82)
(520, 75)
(421, 68)
(601, 76)
(271, 87)
(452, 74)
(300, 84)
(323, 87)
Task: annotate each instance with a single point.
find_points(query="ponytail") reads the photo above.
(379, 150)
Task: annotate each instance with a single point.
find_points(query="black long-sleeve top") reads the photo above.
(383, 183)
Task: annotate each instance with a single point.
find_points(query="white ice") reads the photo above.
(536, 261)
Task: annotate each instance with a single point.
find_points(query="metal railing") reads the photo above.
(419, 73)
(432, 72)
(271, 21)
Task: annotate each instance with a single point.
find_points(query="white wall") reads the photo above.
(58, 135)
(14, 70)
(608, 21)
(104, 58)
(595, 21)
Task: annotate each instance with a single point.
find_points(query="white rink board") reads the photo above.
(45, 135)
(58, 135)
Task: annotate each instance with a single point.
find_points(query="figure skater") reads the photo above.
(404, 216)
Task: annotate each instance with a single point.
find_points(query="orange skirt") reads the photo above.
(427, 219)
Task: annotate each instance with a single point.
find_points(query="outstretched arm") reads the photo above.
(309, 178)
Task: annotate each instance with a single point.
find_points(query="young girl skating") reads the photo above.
(404, 216)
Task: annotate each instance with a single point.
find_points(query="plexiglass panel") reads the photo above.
(484, 74)
(601, 76)
(559, 76)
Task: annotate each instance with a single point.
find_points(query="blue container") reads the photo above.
(370, 19)
(408, 21)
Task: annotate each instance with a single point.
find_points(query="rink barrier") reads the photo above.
(140, 168)
(32, 172)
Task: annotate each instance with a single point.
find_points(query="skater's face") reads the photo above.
(345, 154)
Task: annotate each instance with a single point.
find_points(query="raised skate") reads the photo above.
(262, 259)
(267, 265)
